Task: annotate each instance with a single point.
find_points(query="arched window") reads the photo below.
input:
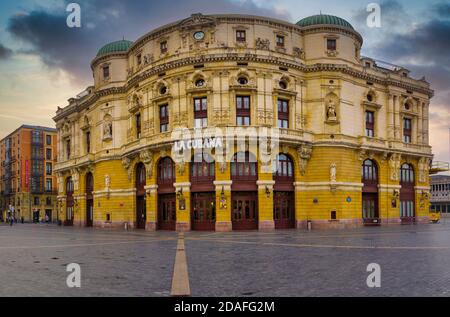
(284, 167)
(140, 176)
(369, 172)
(244, 166)
(89, 183)
(202, 168)
(407, 173)
(166, 171)
(69, 186)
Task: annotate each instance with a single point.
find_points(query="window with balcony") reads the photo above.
(164, 118)
(68, 145)
(88, 142)
(407, 130)
(37, 201)
(164, 47)
(243, 110)
(283, 114)
(370, 124)
(200, 112)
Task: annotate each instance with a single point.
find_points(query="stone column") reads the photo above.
(391, 119)
(420, 124)
(223, 206)
(265, 204)
(152, 207)
(397, 123)
(183, 191)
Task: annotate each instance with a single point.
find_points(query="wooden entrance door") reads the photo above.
(167, 214)
(283, 210)
(89, 213)
(141, 212)
(245, 211)
(203, 211)
(407, 194)
(370, 208)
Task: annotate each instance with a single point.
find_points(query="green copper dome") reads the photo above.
(115, 47)
(324, 19)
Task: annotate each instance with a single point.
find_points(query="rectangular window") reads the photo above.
(48, 168)
(407, 126)
(88, 142)
(139, 59)
(164, 47)
(105, 72)
(331, 44)
(283, 114)
(240, 36)
(164, 118)
(370, 124)
(48, 154)
(138, 125)
(280, 41)
(48, 185)
(37, 201)
(49, 139)
(201, 112)
(68, 149)
(242, 110)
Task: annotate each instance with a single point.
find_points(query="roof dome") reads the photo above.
(115, 47)
(324, 19)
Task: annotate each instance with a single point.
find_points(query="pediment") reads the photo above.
(197, 20)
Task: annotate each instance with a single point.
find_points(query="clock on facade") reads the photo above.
(199, 36)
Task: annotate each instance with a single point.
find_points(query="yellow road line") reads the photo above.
(180, 278)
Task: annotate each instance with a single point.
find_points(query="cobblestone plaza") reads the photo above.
(283, 263)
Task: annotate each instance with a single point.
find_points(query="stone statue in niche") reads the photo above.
(107, 182)
(333, 172)
(107, 130)
(331, 111)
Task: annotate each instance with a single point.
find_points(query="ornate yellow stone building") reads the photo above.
(353, 146)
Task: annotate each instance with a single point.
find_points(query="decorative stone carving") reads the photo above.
(298, 52)
(147, 158)
(222, 166)
(424, 169)
(394, 165)
(126, 163)
(148, 59)
(262, 44)
(304, 155)
(75, 178)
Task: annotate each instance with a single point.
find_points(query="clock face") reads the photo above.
(199, 36)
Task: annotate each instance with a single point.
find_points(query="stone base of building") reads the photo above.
(112, 225)
(330, 224)
(266, 225)
(151, 226)
(183, 226)
(224, 226)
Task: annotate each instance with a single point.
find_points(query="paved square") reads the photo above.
(415, 261)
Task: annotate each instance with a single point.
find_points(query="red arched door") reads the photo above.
(283, 195)
(407, 194)
(370, 212)
(89, 200)
(167, 213)
(70, 203)
(244, 192)
(203, 195)
(141, 210)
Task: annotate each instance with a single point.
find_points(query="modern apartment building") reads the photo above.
(28, 186)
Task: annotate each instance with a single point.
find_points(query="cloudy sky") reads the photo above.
(43, 62)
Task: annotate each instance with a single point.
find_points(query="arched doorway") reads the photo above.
(203, 195)
(244, 191)
(167, 212)
(283, 195)
(89, 200)
(70, 203)
(407, 194)
(141, 209)
(370, 211)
